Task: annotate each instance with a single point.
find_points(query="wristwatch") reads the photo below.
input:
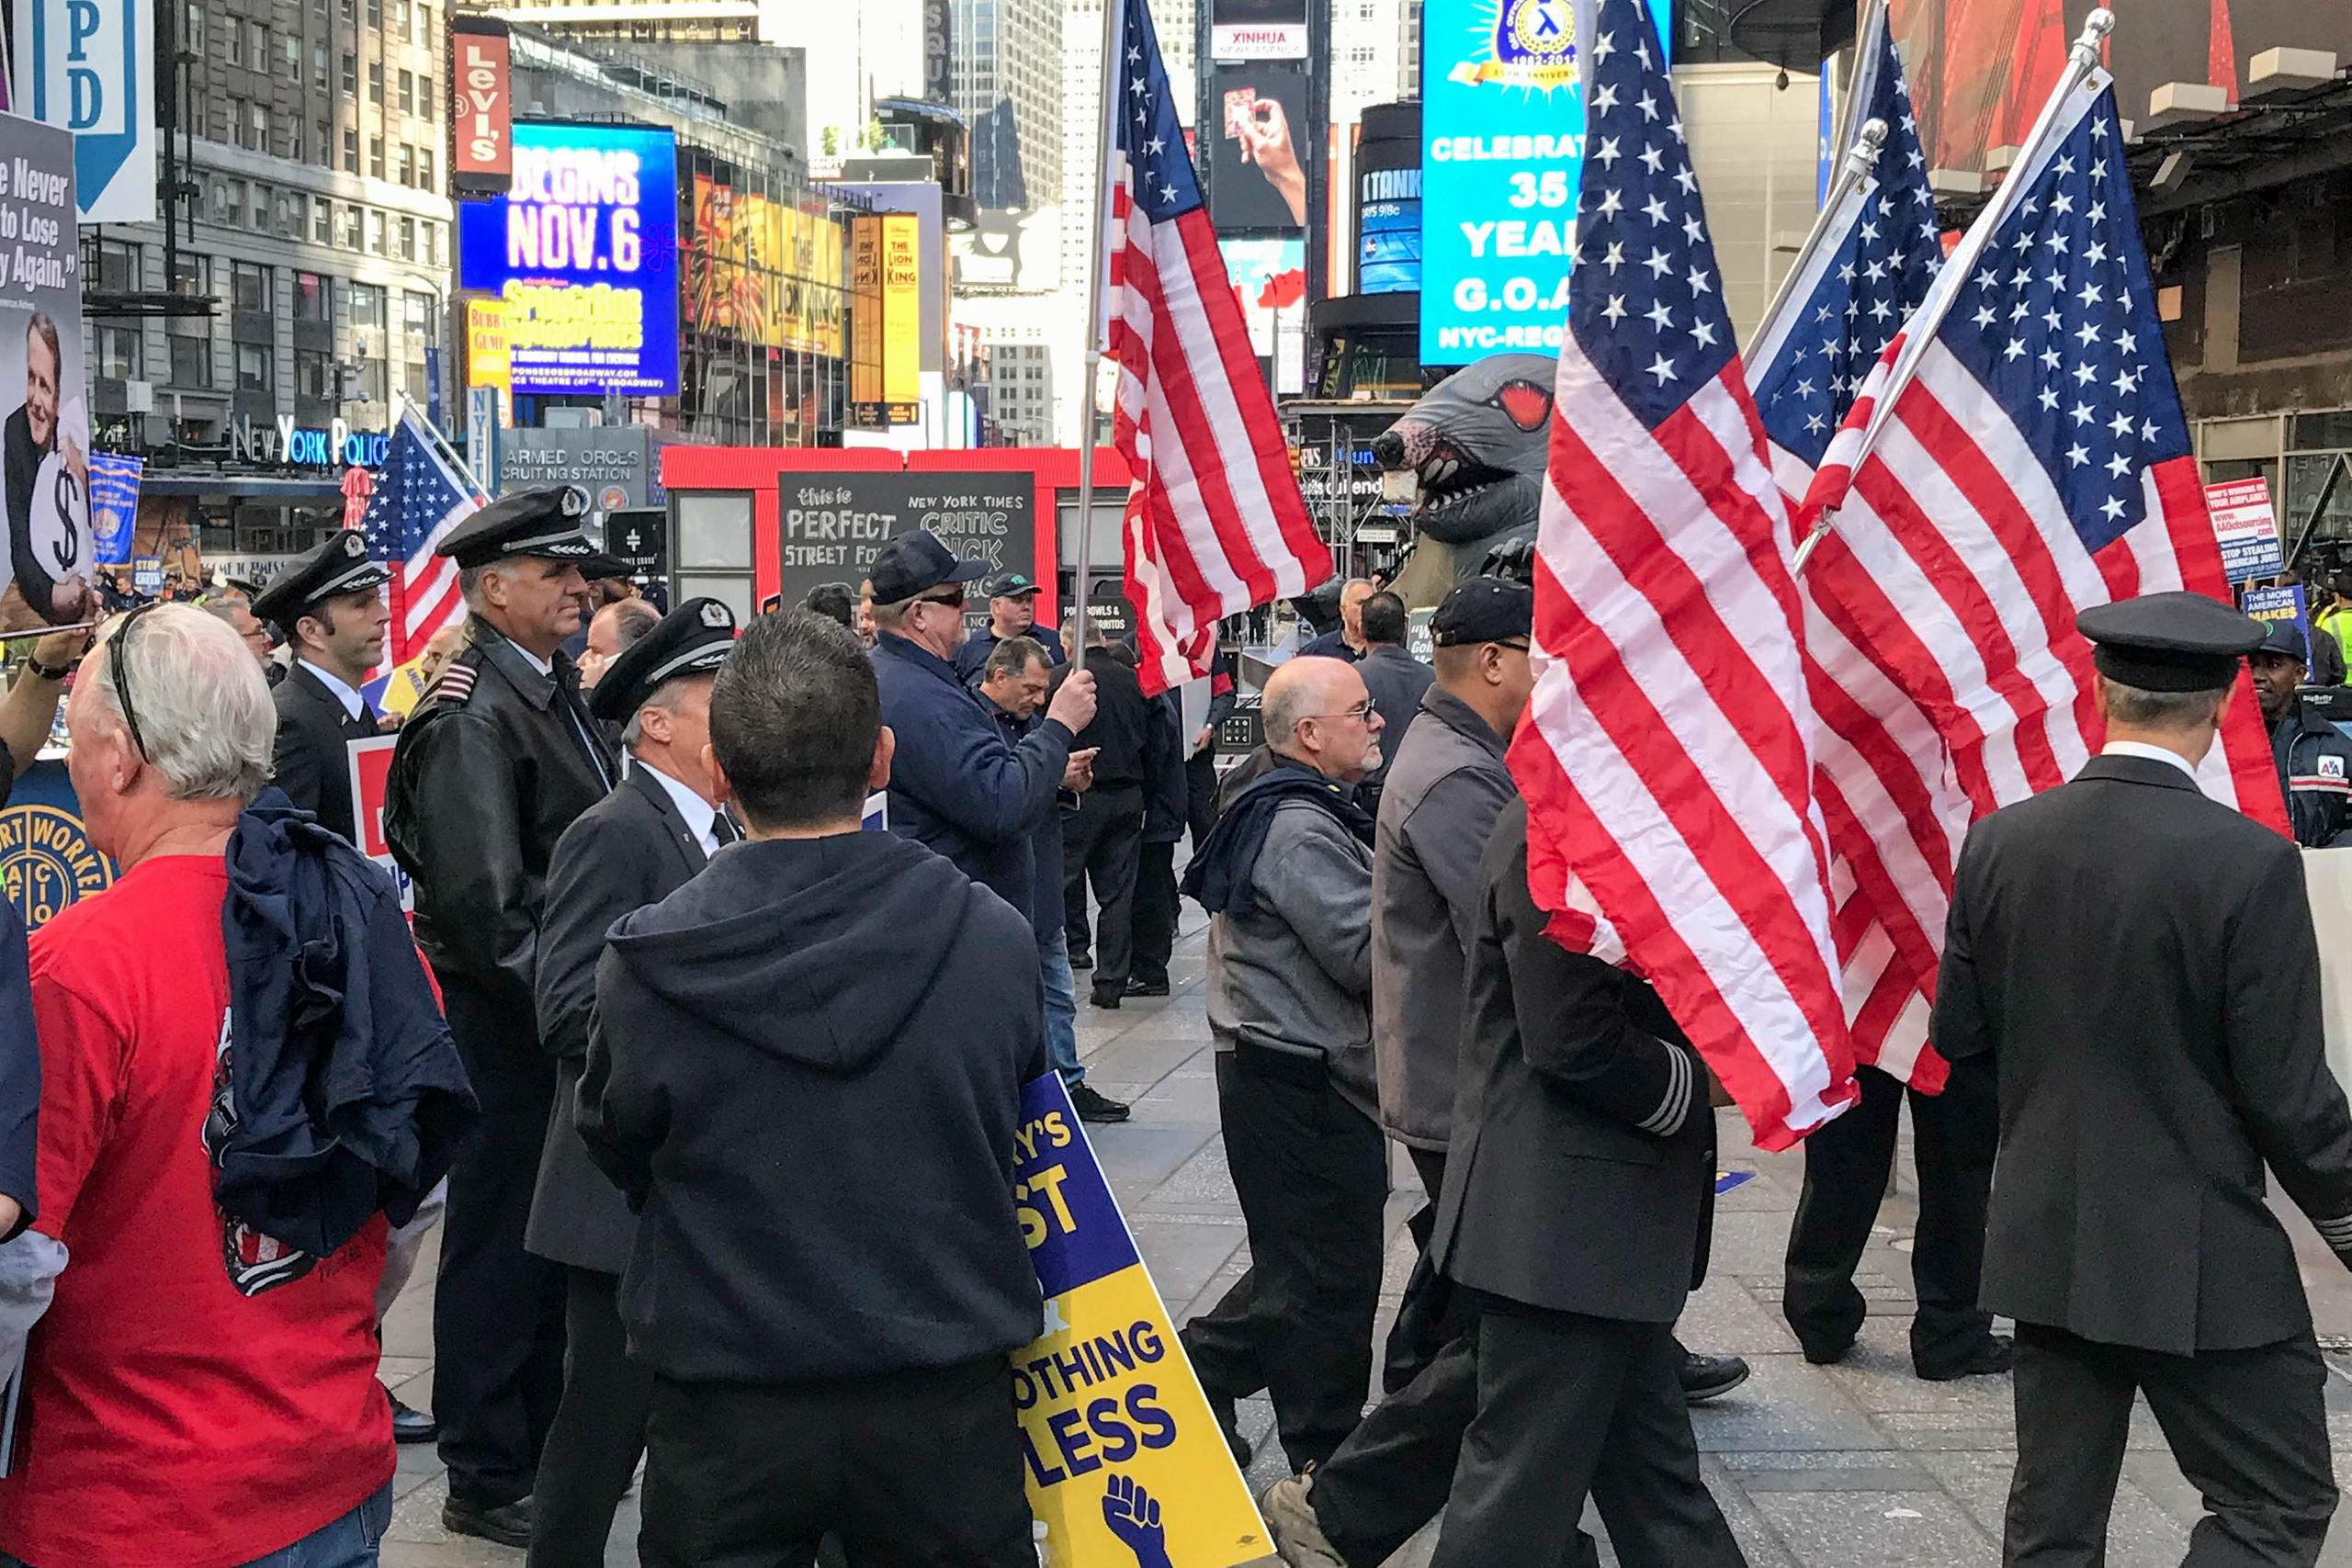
(45, 672)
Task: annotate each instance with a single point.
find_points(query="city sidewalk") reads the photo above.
(1855, 1466)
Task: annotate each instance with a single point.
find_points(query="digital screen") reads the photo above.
(1388, 230)
(584, 251)
(1503, 150)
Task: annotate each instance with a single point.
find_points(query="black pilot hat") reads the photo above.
(339, 565)
(546, 522)
(1484, 609)
(692, 640)
(2175, 641)
(915, 561)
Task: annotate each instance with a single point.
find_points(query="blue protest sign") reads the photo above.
(114, 505)
(2282, 605)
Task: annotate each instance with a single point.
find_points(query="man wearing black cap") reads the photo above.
(1013, 612)
(635, 847)
(2313, 757)
(327, 604)
(490, 768)
(2138, 961)
(956, 786)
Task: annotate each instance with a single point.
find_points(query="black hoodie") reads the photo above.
(804, 1073)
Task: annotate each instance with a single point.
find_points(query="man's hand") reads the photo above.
(388, 721)
(1130, 1512)
(1073, 705)
(1079, 777)
(60, 650)
(1201, 742)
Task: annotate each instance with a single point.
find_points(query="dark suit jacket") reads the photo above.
(2139, 960)
(1581, 1172)
(629, 850)
(312, 766)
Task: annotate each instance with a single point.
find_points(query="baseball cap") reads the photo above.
(915, 561)
(1484, 609)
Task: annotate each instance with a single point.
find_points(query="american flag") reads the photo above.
(1667, 759)
(1213, 525)
(1895, 817)
(2017, 456)
(418, 497)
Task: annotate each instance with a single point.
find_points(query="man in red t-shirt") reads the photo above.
(195, 1395)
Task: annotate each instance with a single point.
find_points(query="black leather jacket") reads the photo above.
(490, 768)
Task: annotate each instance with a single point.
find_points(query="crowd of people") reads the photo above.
(711, 1090)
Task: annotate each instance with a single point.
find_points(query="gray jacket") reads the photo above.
(1293, 972)
(1444, 791)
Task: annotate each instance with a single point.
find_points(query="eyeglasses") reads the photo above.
(118, 667)
(954, 602)
(1362, 711)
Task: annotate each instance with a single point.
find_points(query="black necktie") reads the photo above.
(722, 828)
(567, 692)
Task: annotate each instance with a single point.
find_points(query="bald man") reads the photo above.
(1347, 640)
(1286, 878)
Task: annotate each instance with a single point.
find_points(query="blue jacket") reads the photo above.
(973, 657)
(956, 786)
(347, 1093)
(2315, 761)
(1165, 792)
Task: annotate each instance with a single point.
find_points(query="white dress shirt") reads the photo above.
(2152, 753)
(353, 703)
(699, 813)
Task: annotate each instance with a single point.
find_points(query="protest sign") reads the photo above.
(1126, 1465)
(2248, 531)
(45, 439)
(2282, 605)
(114, 506)
(371, 765)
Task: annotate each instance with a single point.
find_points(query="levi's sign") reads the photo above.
(482, 154)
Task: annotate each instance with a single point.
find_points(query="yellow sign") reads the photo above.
(1126, 1462)
(487, 364)
(865, 310)
(45, 855)
(901, 308)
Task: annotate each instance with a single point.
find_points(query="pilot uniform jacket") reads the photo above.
(490, 768)
(2140, 961)
(1580, 1175)
(311, 764)
(629, 850)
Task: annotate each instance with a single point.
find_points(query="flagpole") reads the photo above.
(2081, 61)
(1098, 265)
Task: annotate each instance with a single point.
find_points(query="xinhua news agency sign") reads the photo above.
(87, 66)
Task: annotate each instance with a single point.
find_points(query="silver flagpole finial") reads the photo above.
(1864, 152)
(2096, 27)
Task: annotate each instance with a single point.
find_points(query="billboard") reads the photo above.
(584, 253)
(901, 308)
(1258, 29)
(87, 66)
(45, 439)
(1502, 149)
(482, 107)
(1257, 170)
(1269, 276)
(832, 525)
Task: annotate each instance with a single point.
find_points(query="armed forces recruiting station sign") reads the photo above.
(1127, 1466)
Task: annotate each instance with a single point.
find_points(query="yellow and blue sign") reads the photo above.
(1502, 151)
(1126, 1465)
(46, 856)
(583, 253)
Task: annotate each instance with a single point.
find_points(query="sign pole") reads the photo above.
(1096, 302)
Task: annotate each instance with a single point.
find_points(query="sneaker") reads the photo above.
(1290, 1519)
(508, 1523)
(411, 1425)
(1710, 1376)
(1989, 1359)
(1094, 1107)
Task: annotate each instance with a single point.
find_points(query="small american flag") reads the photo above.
(2018, 454)
(1213, 525)
(1895, 817)
(418, 497)
(1667, 759)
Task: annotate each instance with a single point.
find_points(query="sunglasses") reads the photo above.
(118, 675)
(953, 601)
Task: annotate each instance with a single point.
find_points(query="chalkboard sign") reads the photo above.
(831, 527)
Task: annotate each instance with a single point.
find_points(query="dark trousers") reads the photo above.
(914, 1470)
(1101, 842)
(1846, 1169)
(2248, 1428)
(1311, 1173)
(1156, 911)
(1200, 794)
(497, 1310)
(1432, 1312)
(599, 1430)
(1570, 1405)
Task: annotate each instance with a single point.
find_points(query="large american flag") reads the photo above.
(2017, 455)
(1215, 524)
(418, 497)
(1667, 759)
(1894, 815)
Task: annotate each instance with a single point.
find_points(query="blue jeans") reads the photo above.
(350, 1541)
(1058, 987)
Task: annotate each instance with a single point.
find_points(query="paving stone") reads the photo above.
(1784, 1404)
(1917, 1529)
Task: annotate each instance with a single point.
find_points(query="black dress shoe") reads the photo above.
(1710, 1376)
(1228, 1422)
(1081, 961)
(1146, 987)
(411, 1425)
(508, 1523)
(1104, 997)
(1094, 1107)
(1987, 1359)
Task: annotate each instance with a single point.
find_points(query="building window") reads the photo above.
(372, 382)
(323, 221)
(324, 143)
(424, 25)
(229, 203)
(350, 74)
(376, 81)
(257, 45)
(350, 10)
(367, 305)
(376, 233)
(293, 58)
(294, 145)
(192, 28)
(407, 165)
(353, 218)
(319, 68)
(259, 221)
(424, 98)
(432, 257)
(408, 92)
(404, 18)
(376, 12)
(425, 168)
(191, 336)
(408, 239)
(118, 267)
(249, 287)
(351, 152)
(252, 367)
(257, 137)
(120, 353)
(313, 301)
(236, 44)
(314, 369)
(375, 157)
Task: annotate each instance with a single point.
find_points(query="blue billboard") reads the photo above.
(584, 251)
(1503, 150)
